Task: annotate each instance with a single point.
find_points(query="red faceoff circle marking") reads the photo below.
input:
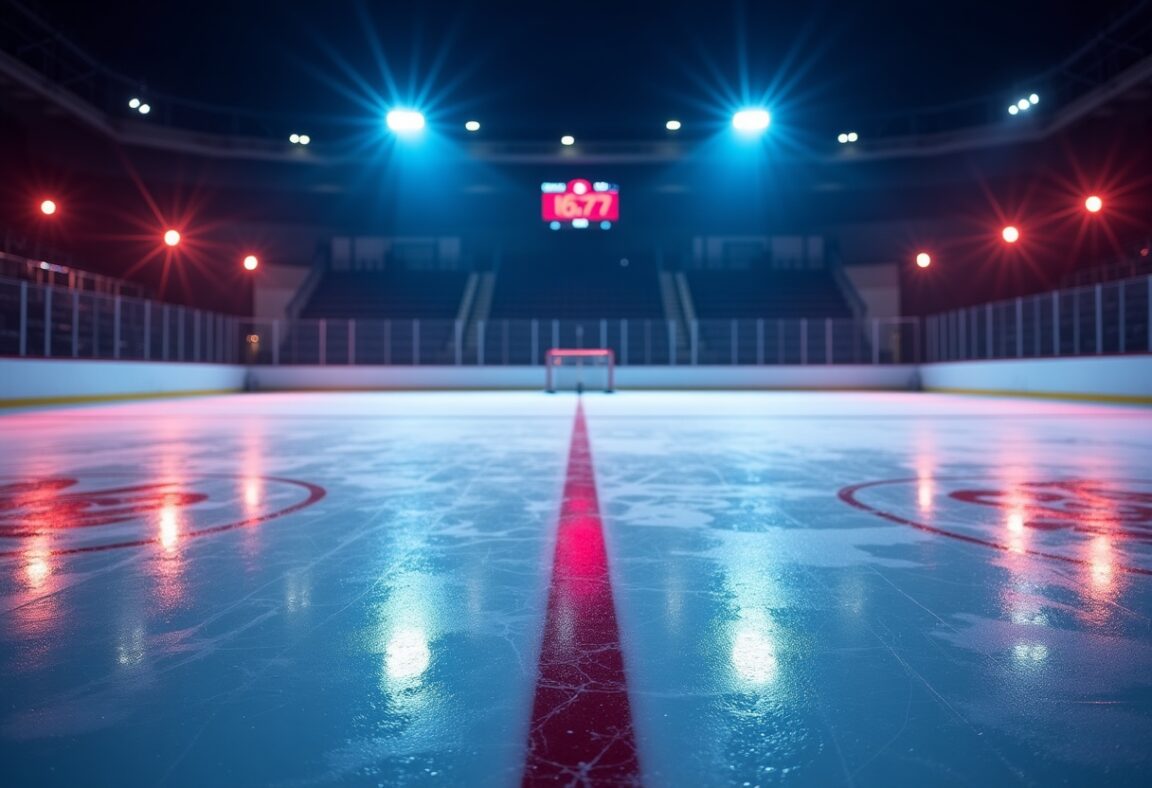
(1059, 519)
(103, 512)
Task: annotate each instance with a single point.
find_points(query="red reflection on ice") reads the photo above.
(35, 507)
(581, 719)
(1084, 506)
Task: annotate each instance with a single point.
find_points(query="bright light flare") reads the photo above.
(172, 237)
(751, 120)
(1093, 204)
(1010, 234)
(472, 125)
(48, 207)
(251, 263)
(923, 259)
(567, 139)
(672, 125)
(405, 121)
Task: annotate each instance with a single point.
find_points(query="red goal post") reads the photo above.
(556, 357)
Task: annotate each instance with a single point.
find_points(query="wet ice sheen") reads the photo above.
(390, 632)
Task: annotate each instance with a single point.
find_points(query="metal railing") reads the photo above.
(47, 321)
(633, 341)
(1107, 318)
(43, 272)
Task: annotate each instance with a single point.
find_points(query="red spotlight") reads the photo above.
(48, 207)
(172, 237)
(251, 263)
(1093, 204)
(1010, 234)
(923, 259)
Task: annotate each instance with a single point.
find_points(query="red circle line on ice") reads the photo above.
(50, 505)
(1057, 505)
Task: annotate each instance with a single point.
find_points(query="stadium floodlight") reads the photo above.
(923, 259)
(567, 139)
(172, 237)
(144, 109)
(1010, 234)
(251, 263)
(1013, 110)
(853, 136)
(842, 138)
(305, 139)
(1093, 204)
(134, 103)
(48, 207)
(294, 139)
(751, 120)
(672, 125)
(472, 125)
(405, 121)
(1034, 99)
(1023, 103)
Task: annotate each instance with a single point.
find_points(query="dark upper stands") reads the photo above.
(761, 293)
(387, 295)
(531, 287)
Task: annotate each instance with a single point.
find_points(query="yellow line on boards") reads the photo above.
(83, 398)
(1120, 399)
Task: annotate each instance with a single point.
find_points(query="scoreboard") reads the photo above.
(580, 204)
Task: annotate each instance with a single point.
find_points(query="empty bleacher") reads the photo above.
(761, 315)
(528, 287)
(400, 317)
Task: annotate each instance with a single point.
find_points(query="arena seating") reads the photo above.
(530, 288)
(401, 317)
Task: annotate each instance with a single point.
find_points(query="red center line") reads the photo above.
(581, 730)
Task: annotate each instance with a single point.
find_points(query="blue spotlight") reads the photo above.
(405, 121)
(751, 121)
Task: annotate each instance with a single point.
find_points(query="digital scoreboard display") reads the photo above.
(580, 204)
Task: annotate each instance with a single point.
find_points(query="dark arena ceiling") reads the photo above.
(602, 70)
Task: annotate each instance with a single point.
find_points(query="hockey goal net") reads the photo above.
(592, 369)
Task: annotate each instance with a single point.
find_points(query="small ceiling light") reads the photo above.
(842, 138)
(134, 103)
(305, 139)
(923, 259)
(294, 139)
(1094, 204)
(145, 109)
(48, 207)
(172, 237)
(567, 139)
(251, 263)
(1023, 103)
(1010, 234)
(1013, 110)
(472, 125)
(1034, 99)
(672, 125)
(853, 136)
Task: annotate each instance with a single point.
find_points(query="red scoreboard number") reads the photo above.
(580, 200)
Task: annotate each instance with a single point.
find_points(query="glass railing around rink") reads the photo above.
(56, 321)
(1101, 319)
(46, 321)
(634, 341)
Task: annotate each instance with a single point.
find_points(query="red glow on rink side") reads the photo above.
(581, 731)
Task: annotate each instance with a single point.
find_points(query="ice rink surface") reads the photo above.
(806, 589)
